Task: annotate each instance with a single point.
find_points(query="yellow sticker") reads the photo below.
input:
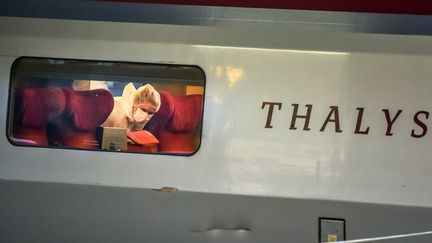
(331, 238)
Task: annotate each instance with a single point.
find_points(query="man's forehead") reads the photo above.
(147, 105)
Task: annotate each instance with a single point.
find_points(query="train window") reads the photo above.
(106, 106)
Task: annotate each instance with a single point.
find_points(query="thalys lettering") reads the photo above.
(333, 119)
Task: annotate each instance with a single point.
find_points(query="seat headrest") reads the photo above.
(88, 109)
(39, 106)
(177, 113)
(187, 113)
(165, 112)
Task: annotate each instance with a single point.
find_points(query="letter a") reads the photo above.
(335, 111)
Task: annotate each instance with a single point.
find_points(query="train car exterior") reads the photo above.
(313, 126)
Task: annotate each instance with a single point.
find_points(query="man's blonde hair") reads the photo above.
(148, 94)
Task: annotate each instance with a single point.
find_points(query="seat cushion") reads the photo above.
(187, 113)
(88, 109)
(39, 106)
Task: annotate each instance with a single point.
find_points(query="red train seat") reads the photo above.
(34, 109)
(84, 112)
(176, 124)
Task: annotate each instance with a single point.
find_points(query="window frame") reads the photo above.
(12, 92)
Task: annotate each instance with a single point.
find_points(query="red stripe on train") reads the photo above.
(423, 7)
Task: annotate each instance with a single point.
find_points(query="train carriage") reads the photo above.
(234, 123)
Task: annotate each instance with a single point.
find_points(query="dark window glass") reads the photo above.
(102, 105)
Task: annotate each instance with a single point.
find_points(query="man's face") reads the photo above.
(143, 112)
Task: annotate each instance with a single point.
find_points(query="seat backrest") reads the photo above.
(36, 107)
(160, 118)
(187, 113)
(88, 109)
(84, 112)
(176, 122)
(33, 110)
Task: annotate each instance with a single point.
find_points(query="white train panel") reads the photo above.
(347, 93)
